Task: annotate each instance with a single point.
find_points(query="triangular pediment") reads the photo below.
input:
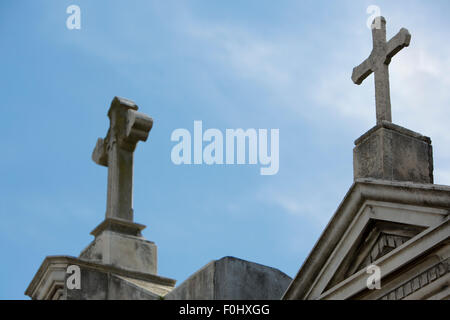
(378, 228)
(375, 222)
(376, 240)
(384, 243)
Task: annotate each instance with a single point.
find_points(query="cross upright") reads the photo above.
(378, 63)
(115, 151)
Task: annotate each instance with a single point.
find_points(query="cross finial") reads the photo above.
(378, 63)
(115, 151)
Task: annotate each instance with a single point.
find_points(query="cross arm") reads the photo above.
(127, 128)
(397, 43)
(137, 128)
(100, 154)
(362, 71)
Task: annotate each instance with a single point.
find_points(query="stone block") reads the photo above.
(122, 251)
(390, 152)
(230, 279)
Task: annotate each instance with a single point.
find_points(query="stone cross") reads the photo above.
(378, 62)
(115, 151)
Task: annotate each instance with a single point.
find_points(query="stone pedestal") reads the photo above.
(119, 243)
(390, 152)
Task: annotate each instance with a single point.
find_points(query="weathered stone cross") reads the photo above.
(378, 63)
(115, 151)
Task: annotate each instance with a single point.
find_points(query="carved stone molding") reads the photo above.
(430, 275)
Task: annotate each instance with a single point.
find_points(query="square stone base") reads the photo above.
(121, 250)
(391, 152)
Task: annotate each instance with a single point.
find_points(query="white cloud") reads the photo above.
(249, 56)
(303, 202)
(420, 78)
(277, 64)
(442, 176)
(310, 209)
(420, 95)
(420, 75)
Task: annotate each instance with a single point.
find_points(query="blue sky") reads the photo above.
(246, 64)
